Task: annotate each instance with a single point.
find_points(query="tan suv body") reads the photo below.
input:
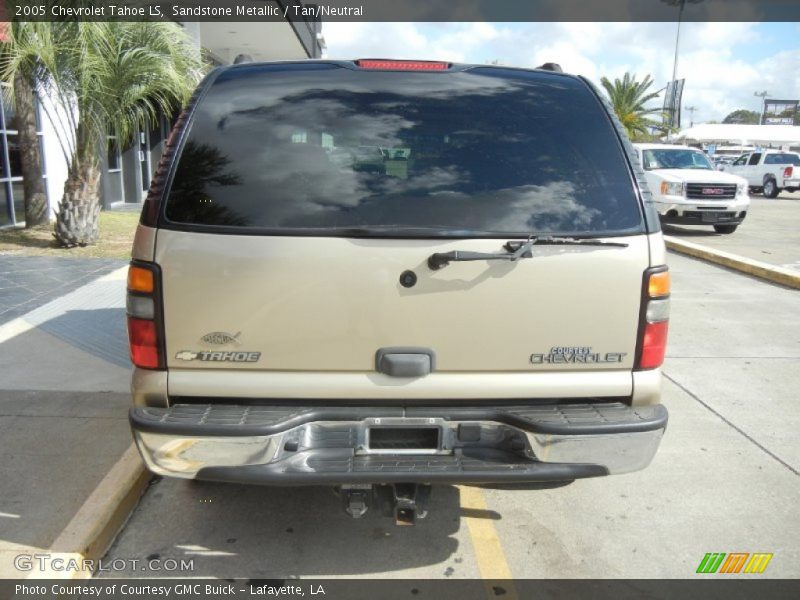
(382, 272)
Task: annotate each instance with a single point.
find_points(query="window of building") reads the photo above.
(12, 196)
(114, 157)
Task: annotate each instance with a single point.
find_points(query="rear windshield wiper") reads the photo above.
(396, 231)
(515, 250)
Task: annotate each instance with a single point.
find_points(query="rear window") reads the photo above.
(322, 149)
(782, 159)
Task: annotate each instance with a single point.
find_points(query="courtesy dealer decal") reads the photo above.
(576, 354)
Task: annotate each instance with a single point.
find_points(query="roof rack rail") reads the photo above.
(549, 66)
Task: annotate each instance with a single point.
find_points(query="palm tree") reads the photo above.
(628, 97)
(107, 78)
(36, 209)
(24, 102)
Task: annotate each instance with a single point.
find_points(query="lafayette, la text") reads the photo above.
(202, 590)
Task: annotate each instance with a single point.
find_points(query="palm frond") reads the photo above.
(629, 97)
(113, 77)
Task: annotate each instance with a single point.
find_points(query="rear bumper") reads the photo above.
(331, 445)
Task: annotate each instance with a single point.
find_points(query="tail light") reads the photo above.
(787, 172)
(145, 328)
(654, 320)
(402, 65)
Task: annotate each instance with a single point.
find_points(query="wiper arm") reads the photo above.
(441, 259)
(514, 250)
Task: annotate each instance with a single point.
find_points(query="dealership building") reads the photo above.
(785, 137)
(126, 172)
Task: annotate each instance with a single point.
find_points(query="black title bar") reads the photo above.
(406, 10)
(730, 588)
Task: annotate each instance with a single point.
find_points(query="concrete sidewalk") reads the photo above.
(64, 376)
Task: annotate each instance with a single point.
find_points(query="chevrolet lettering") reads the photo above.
(576, 355)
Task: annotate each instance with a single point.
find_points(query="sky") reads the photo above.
(724, 64)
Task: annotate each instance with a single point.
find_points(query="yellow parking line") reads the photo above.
(488, 551)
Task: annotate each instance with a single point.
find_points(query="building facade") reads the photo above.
(127, 171)
(12, 199)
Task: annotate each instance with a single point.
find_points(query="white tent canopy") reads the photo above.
(776, 135)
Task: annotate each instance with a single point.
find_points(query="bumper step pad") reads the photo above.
(237, 420)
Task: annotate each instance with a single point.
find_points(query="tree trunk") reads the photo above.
(36, 209)
(79, 209)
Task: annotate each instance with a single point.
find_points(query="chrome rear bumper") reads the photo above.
(313, 445)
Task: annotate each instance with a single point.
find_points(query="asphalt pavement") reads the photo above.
(770, 233)
(724, 480)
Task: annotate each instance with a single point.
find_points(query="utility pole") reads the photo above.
(763, 95)
(691, 110)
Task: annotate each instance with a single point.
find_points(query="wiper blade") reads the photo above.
(564, 241)
(441, 259)
(515, 250)
(394, 231)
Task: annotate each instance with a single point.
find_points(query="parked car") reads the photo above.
(687, 190)
(768, 171)
(496, 312)
(720, 160)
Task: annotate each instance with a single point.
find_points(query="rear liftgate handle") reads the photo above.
(405, 361)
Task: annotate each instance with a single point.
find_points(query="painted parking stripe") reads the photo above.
(486, 545)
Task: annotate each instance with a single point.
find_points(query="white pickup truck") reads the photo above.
(768, 171)
(687, 190)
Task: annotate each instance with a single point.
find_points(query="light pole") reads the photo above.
(680, 4)
(677, 40)
(763, 95)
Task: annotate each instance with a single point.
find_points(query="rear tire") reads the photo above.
(725, 228)
(771, 189)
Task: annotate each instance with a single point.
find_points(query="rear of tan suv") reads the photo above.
(387, 273)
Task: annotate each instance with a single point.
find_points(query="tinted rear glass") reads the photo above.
(320, 148)
(782, 159)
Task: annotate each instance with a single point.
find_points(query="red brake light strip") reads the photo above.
(403, 65)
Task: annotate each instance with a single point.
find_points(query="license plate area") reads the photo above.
(403, 439)
(720, 217)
